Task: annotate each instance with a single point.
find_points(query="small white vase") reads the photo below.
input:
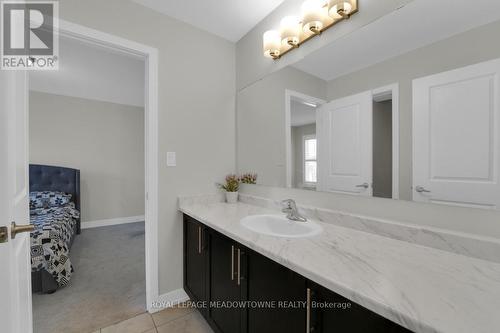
(232, 197)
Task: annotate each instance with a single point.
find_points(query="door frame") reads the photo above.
(150, 56)
(289, 95)
(383, 94)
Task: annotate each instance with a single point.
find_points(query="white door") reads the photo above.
(456, 122)
(344, 134)
(15, 274)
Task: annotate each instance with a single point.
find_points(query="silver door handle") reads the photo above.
(421, 189)
(364, 185)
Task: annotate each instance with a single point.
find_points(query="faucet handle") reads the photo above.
(290, 208)
(288, 205)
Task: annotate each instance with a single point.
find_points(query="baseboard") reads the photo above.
(168, 300)
(115, 221)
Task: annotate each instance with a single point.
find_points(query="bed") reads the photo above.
(55, 213)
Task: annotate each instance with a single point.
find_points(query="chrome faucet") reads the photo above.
(290, 208)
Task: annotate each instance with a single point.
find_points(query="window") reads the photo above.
(310, 163)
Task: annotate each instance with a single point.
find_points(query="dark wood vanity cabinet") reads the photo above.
(330, 312)
(245, 292)
(227, 284)
(195, 260)
(281, 290)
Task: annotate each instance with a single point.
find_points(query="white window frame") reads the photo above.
(304, 138)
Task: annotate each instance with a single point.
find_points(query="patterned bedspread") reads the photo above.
(50, 241)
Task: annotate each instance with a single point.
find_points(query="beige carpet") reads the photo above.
(108, 284)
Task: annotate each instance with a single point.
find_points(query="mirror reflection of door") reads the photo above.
(456, 137)
(345, 145)
(358, 151)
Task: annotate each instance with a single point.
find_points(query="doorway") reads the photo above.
(300, 137)
(385, 128)
(88, 117)
(18, 93)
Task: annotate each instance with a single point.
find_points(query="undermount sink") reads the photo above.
(280, 226)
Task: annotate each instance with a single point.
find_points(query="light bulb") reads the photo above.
(313, 15)
(290, 30)
(272, 44)
(339, 9)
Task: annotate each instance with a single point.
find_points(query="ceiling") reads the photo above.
(302, 114)
(229, 19)
(419, 23)
(93, 72)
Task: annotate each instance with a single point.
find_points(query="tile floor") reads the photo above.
(172, 320)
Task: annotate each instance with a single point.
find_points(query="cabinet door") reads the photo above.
(270, 282)
(330, 312)
(226, 284)
(195, 260)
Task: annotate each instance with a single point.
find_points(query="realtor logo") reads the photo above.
(29, 40)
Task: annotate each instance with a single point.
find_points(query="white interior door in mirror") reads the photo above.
(456, 146)
(344, 133)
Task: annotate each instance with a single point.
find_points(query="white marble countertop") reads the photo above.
(421, 288)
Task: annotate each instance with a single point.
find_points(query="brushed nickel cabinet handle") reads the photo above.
(239, 267)
(232, 262)
(308, 309)
(199, 240)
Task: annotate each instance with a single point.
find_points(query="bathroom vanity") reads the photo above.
(219, 271)
(340, 280)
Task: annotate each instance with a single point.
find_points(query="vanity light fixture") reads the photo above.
(317, 16)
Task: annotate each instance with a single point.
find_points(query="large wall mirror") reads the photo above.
(412, 120)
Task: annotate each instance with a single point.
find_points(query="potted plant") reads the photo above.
(248, 178)
(231, 187)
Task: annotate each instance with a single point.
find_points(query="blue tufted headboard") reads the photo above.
(54, 178)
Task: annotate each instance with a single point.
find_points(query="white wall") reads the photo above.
(261, 123)
(461, 50)
(196, 109)
(105, 141)
(93, 72)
